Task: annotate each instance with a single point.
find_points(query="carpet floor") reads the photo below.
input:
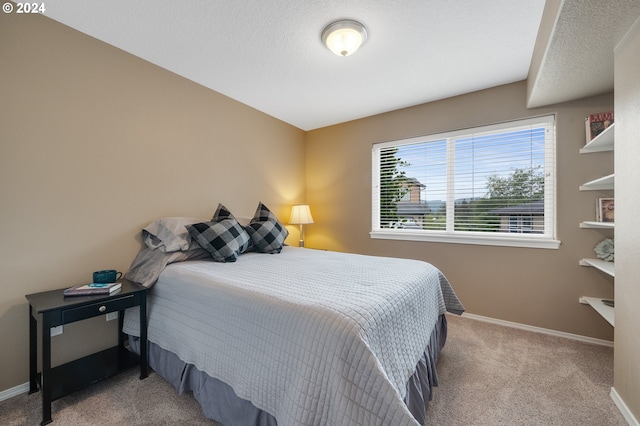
(495, 375)
(489, 375)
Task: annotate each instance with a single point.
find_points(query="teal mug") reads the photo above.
(106, 276)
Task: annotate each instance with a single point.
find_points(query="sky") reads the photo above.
(476, 158)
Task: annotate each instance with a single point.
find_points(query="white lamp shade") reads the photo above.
(300, 215)
(344, 37)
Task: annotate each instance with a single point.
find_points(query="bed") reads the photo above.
(296, 336)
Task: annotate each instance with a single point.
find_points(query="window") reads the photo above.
(490, 185)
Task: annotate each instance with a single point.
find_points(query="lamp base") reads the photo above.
(301, 243)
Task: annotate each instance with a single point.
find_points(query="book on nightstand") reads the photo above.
(92, 289)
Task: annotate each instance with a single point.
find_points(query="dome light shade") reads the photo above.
(344, 37)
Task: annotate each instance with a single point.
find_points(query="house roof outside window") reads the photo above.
(534, 208)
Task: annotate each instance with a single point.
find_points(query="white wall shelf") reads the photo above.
(604, 142)
(596, 303)
(592, 224)
(600, 184)
(601, 143)
(606, 267)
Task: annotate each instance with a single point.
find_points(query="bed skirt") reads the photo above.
(220, 403)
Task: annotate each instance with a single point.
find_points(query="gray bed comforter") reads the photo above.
(311, 337)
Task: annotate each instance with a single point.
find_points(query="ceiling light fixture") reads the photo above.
(344, 37)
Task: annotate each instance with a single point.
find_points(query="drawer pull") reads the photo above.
(101, 307)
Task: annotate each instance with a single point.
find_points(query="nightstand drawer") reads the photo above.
(104, 307)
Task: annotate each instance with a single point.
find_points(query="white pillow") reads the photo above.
(169, 234)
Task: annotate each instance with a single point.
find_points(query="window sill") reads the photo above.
(460, 238)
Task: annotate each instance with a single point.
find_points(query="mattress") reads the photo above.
(308, 336)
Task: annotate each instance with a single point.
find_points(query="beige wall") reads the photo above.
(537, 287)
(96, 143)
(627, 233)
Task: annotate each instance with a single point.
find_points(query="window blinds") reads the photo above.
(492, 179)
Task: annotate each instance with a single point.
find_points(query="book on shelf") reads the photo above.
(92, 289)
(596, 123)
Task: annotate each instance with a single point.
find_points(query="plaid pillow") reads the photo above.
(222, 213)
(225, 240)
(266, 232)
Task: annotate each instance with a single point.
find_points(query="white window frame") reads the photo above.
(547, 240)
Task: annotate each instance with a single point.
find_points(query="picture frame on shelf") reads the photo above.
(605, 210)
(597, 123)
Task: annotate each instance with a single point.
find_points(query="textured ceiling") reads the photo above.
(268, 53)
(576, 51)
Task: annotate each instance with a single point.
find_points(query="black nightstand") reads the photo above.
(56, 309)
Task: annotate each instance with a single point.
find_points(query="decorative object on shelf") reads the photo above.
(606, 210)
(596, 123)
(605, 250)
(301, 215)
(344, 37)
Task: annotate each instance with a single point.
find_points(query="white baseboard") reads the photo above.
(540, 330)
(629, 417)
(17, 390)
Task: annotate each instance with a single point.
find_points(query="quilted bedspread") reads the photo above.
(312, 337)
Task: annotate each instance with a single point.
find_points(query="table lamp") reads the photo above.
(300, 215)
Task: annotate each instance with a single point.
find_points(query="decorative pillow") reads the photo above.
(222, 213)
(267, 234)
(225, 240)
(168, 234)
